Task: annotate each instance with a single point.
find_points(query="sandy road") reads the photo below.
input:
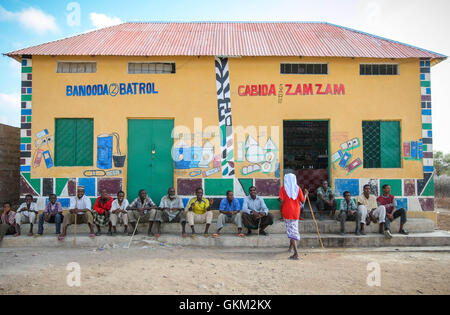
(175, 270)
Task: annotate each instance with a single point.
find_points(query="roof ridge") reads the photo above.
(385, 38)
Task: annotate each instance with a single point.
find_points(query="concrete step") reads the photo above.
(414, 225)
(309, 240)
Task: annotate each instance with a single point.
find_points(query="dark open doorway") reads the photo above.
(305, 151)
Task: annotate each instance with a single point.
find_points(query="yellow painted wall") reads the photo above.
(191, 92)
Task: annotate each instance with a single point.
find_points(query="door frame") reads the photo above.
(329, 142)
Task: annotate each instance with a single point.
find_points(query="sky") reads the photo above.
(420, 23)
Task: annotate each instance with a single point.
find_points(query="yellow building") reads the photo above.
(225, 106)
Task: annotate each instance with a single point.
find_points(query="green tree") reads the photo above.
(441, 163)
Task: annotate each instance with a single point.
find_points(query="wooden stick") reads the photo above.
(75, 231)
(135, 228)
(314, 219)
(259, 226)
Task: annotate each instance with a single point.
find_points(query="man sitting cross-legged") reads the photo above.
(255, 213)
(119, 212)
(199, 211)
(230, 212)
(53, 213)
(172, 211)
(80, 207)
(143, 208)
(371, 212)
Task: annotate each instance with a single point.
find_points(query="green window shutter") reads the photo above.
(84, 148)
(390, 144)
(371, 144)
(74, 142)
(65, 138)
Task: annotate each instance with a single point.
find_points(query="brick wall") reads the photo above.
(9, 164)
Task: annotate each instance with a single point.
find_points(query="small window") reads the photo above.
(378, 69)
(381, 144)
(304, 68)
(74, 142)
(76, 67)
(151, 67)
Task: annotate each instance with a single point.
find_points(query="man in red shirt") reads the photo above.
(101, 213)
(291, 200)
(392, 213)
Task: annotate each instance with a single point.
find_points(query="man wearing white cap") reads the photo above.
(80, 206)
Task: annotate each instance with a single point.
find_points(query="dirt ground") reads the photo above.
(178, 270)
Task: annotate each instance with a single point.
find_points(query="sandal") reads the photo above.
(61, 238)
(157, 235)
(216, 235)
(193, 236)
(30, 234)
(17, 234)
(92, 235)
(241, 235)
(294, 258)
(205, 235)
(98, 233)
(183, 235)
(404, 232)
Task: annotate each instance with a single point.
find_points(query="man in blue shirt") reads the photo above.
(230, 212)
(255, 213)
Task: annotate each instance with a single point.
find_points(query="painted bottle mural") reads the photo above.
(105, 156)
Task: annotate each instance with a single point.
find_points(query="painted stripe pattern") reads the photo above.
(225, 119)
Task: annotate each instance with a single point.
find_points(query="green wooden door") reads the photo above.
(150, 163)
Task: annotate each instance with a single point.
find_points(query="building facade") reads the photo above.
(225, 106)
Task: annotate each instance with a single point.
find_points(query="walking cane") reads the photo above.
(314, 219)
(75, 231)
(135, 228)
(259, 226)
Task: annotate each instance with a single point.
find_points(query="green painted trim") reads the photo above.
(28, 118)
(25, 140)
(427, 126)
(425, 83)
(27, 69)
(26, 98)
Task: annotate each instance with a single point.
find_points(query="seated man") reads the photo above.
(143, 208)
(230, 212)
(102, 206)
(255, 213)
(349, 211)
(371, 212)
(79, 210)
(8, 221)
(172, 211)
(199, 211)
(325, 200)
(53, 213)
(119, 212)
(392, 213)
(26, 214)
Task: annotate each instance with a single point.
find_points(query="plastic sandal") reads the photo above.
(183, 235)
(241, 235)
(205, 235)
(193, 236)
(216, 235)
(157, 235)
(294, 258)
(92, 235)
(61, 238)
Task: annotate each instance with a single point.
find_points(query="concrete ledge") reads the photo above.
(413, 225)
(309, 240)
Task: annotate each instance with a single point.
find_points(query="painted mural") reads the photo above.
(225, 118)
(345, 158)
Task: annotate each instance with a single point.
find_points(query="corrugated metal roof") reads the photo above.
(228, 39)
